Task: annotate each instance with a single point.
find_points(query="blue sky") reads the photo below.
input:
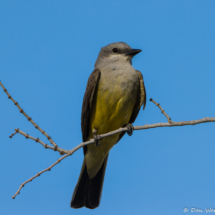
(48, 50)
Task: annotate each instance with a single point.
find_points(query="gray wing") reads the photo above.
(87, 103)
(141, 100)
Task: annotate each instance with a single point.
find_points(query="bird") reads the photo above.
(114, 95)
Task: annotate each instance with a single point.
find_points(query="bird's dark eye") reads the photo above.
(115, 50)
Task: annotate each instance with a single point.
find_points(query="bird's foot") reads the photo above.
(131, 129)
(96, 137)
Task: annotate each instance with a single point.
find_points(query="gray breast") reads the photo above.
(123, 80)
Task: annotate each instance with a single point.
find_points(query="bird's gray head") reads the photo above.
(116, 52)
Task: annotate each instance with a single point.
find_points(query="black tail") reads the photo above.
(88, 191)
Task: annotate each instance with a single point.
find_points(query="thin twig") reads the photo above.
(38, 174)
(29, 118)
(16, 131)
(62, 151)
(162, 110)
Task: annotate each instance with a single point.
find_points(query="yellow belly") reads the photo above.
(111, 110)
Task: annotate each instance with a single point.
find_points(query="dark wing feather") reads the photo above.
(141, 100)
(87, 103)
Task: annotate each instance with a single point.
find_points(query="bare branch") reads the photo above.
(58, 161)
(70, 152)
(170, 123)
(162, 110)
(38, 174)
(28, 118)
(62, 151)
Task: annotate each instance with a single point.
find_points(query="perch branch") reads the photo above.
(172, 124)
(91, 141)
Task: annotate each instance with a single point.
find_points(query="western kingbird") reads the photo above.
(114, 94)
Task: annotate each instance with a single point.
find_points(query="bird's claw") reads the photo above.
(131, 129)
(96, 138)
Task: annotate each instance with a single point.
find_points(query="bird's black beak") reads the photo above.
(133, 52)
